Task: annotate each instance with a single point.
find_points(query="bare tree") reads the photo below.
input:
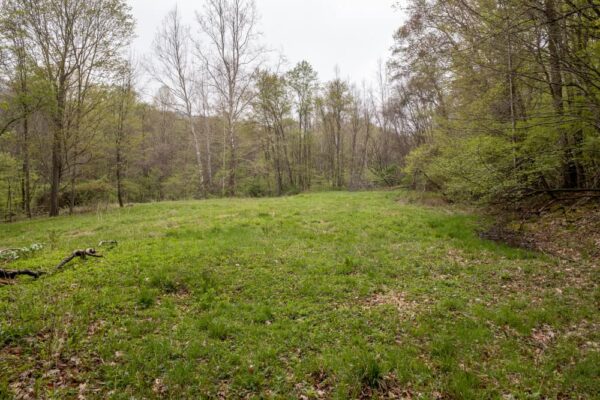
(231, 57)
(174, 70)
(303, 82)
(205, 110)
(125, 100)
(333, 109)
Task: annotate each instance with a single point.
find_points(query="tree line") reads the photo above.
(489, 101)
(507, 95)
(223, 122)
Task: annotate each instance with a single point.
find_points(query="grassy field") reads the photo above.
(332, 295)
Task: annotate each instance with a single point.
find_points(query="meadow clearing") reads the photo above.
(329, 295)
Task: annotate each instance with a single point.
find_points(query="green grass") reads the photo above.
(332, 295)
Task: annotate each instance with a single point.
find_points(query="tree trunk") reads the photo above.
(231, 189)
(72, 185)
(339, 167)
(286, 158)
(308, 153)
(56, 169)
(277, 162)
(119, 175)
(26, 180)
(9, 215)
(556, 88)
(198, 153)
(209, 176)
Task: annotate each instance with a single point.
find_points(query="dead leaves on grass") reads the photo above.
(320, 386)
(59, 375)
(570, 234)
(159, 387)
(543, 336)
(391, 298)
(388, 389)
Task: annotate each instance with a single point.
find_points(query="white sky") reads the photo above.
(352, 34)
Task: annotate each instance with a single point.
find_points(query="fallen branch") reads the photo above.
(79, 253)
(5, 274)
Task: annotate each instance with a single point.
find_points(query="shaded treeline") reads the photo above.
(492, 101)
(507, 94)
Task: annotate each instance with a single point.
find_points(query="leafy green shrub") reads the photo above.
(257, 189)
(389, 175)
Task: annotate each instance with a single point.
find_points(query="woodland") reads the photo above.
(488, 102)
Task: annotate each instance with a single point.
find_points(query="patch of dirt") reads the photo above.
(321, 384)
(543, 336)
(503, 234)
(582, 332)
(95, 327)
(159, 388)
(571, 233)
(223, 392)
(458, 257)
(317, 386)
(56, 371)
(57, 374)
(392, 298)
(24, 388)
(389, 388)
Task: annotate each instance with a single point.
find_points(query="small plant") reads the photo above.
(147, 298)
(53, 238)
(14, 254)
(219, 329)
(263, 315)
(165, 283)
(369, 371)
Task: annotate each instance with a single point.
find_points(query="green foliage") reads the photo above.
(8, 185)
(303, 80)
(498, 129)
(257, 189)
(92, 192)
(389, 175)
(8, 166)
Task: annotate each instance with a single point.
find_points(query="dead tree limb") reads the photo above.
(78, 253)
(5, 274)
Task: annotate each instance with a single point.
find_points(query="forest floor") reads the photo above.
(330, 295)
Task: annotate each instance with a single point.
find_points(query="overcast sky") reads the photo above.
(352, 34)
